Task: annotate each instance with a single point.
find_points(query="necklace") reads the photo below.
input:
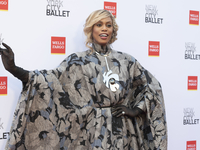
(109, 78)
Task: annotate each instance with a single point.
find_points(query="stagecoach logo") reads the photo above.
(3, 85)
(188, 118)
(190, 51)
(54, 9)
(4, 5)
(151, 15)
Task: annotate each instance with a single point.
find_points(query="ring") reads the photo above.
(123, 112)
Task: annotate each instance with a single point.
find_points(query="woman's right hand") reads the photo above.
(7, 57)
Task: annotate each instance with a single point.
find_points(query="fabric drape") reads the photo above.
(69, 107)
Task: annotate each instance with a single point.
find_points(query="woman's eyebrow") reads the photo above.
(106, 22)
(99, 22)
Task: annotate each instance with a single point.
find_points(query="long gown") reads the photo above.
(69, 107)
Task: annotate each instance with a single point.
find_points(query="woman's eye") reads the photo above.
(98, 25)
(109, 25)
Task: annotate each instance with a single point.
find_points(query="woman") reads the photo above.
(96, 99)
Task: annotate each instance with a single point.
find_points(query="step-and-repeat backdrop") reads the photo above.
(164, 36)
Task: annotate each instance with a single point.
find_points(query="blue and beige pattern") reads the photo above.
(69, 107)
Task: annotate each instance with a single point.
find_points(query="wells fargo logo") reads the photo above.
(58, 45)
(191, 145)
(112, 7)
(3, 85)
(4, 5)
(154, 48)
(192, 83)
(194, 17)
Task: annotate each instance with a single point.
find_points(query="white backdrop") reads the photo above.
(28, 30)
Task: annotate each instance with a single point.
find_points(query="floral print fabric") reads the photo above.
(69, 108)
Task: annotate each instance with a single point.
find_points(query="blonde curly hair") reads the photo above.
(93, 18)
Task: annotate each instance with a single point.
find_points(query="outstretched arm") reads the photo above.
(7, 57)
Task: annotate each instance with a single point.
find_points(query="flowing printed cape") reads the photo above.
(70, 107)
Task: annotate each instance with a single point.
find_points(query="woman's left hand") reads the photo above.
(122, 110)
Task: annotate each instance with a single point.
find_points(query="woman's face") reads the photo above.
(102, 31)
